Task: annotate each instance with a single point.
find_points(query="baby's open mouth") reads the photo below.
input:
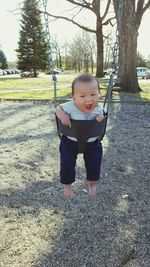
(88, 106)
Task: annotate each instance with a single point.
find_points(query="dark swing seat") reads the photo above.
(82, 130)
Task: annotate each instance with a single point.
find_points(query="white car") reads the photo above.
(109, 71)
(142, 72)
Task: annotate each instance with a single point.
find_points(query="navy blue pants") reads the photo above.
(68, 155)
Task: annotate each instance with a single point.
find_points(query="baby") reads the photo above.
(83, 106)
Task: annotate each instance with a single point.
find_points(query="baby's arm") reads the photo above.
(63, 116)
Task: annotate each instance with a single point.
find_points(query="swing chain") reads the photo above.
(47, 34)
(115, 58)
(117, 36)
(54, 78)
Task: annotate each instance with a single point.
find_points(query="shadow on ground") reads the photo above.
(42, 229)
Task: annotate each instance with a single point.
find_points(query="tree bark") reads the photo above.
(100, 56)
(92, 63)
(129, 22)
(128, 50)
(35, 73)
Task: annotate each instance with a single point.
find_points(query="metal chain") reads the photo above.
(50, 60)
(117, 34)
(115, 57)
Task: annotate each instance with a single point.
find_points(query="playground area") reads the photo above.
(39, 227)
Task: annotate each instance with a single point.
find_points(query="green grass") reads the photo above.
(25, 83)
(46, 82)
(39, 95)
(36, 94)
(144, 95)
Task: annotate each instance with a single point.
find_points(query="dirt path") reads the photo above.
(38, 227)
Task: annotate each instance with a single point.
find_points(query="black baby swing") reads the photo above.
(82, 130)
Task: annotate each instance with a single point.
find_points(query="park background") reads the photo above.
(38, 227)
(10, 27)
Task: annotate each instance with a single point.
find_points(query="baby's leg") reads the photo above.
(68, 156)
(93, 158)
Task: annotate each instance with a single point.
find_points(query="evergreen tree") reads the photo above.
(3, 60)
(32, 45)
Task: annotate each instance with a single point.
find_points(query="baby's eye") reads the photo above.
(82, 95)
(93, 94)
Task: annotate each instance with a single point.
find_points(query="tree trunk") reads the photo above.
(34, 71)
(92, 63)
(128, 47)
(57, 61)
(128, 61)
(79, 67)
(86, 65)
(99, 39)
(60, 61)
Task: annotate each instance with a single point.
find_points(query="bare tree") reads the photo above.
(82, 51)
(129, 15)
(76, 55)
(66, 56)
(108, 48)
(56, 49)
(93, 6)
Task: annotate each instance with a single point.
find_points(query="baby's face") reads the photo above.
(86, 95)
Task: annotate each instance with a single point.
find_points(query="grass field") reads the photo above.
(33, 86)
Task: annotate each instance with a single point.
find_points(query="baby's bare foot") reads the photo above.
(92, 188)
(68, 191)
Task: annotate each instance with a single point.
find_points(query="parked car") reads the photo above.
(55, 71)
(142, 72)
(27, 74)
(7, 71)
(109, 71)
(16, 71)
(3, 72)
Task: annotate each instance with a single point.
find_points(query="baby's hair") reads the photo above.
(85, 77)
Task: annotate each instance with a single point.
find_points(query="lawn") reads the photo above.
(27, 83)
(63, 87)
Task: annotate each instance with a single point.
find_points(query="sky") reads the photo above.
(10, 26)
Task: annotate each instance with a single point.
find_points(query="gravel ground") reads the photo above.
(38, 227)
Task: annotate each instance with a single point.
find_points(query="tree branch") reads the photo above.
(141, 10)
(71, 20)
(86, 5)
(106, 10)
(70, 9)
(109, 21)
(146, 7)
(77, 13)
(96, 6)
(139, 7)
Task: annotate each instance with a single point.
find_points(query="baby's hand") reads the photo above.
(65, 119)
(99, 118)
